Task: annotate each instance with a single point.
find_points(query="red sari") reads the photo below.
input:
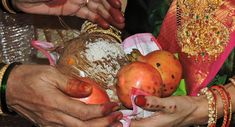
(203, 36)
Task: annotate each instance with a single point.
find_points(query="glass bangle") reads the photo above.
(4, 106)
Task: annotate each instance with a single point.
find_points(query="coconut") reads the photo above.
(97, 55)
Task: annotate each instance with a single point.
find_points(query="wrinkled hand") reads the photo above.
(174, 111)
(38, 93)
(102, 12)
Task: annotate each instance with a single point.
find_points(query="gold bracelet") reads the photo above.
(212, 112)
(7, 7)
(2, 71)
(232, 81)
(89, 27)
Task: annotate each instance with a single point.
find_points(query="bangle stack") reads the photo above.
(7, 5)
(212, 112)
(4, 74)
(212, 102)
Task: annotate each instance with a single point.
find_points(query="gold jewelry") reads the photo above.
(89, 27)
(83, 4)
(212, 111)
(227, 104)
(2, 71)
(232, 81)
(199, 34)
(230, 110)
(7, 7)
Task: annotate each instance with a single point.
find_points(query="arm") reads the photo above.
(43, 95)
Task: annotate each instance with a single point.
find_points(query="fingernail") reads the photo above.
(120, 116)
(101, 22)
(140, 101)
(121, 19)
(118, 4)
(115, 116)
(115, 108)
(77, 88)
(110, 107)
(115, 3)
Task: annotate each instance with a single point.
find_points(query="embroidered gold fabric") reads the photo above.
(199, 34)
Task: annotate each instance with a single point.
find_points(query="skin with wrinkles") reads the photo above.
(102, 12)
(178, 111)
(42, 97)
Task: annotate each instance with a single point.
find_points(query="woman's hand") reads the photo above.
(42, 94)
(102, 12)
(174, 111)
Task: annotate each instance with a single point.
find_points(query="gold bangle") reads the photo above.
(89, 27)
(232, 81)
(7, 7)
(212, 112)
(2, 71)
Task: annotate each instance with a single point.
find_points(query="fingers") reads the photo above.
(85, 13)
(116, 14)
(71, 116)
(74, 87)
(69, 121)
(115, 3)
(84, 111)
(153, 103)
(146, 122)
(78, 88)
(100, 16)
(98, 13)
(112, 120)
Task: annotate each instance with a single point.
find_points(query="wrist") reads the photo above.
(12, 80)
(3, 88)
(200, 115)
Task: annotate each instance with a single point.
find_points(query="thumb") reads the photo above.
(77, 87)
(72, 84)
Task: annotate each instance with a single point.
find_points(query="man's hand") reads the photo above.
(44, 95)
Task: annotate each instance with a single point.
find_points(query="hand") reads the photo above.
(102, 12)
(174, 111)
(40, 93)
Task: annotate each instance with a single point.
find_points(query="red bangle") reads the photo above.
(226, 104)
(230, 105)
